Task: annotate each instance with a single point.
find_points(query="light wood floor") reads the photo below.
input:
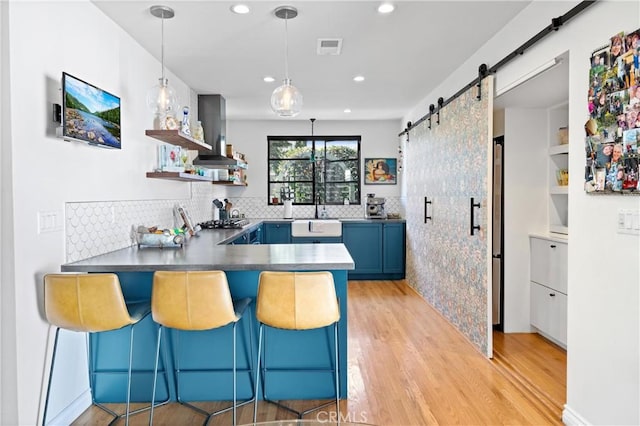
(409, 366)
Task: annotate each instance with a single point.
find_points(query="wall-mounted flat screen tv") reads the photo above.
(89, 114)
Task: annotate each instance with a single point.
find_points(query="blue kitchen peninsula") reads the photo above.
(197, 351)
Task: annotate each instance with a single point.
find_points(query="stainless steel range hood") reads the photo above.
(212, 114)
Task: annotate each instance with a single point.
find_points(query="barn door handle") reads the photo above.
(473, 206)
(427, 216)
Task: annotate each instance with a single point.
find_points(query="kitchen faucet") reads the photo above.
(323, 214)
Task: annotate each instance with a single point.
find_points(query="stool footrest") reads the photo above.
(211, 414)
(300, 414)
(117, 416)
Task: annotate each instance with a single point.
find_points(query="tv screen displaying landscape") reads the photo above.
(90, 114)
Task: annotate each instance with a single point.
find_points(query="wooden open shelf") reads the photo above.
(175, 137)
(229, 183)
(189, 177)
(181, 176)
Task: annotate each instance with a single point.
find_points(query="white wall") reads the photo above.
(8, 376)
(525, 196)
(603, 376)
(47, 38)
(379, 139)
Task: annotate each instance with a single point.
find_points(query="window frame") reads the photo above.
(314, 183)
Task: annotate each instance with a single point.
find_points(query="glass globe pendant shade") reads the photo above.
(286, 100)
(162, 99)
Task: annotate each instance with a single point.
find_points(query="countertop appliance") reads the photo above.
(375, 207)
(224, 224)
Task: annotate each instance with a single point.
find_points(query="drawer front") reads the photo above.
(315, 240)
(549, 263)
(549, 312)
(277, 233)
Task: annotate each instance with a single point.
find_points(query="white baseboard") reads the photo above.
(571, 418)
(73, 410)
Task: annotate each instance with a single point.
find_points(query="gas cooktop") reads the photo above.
(224, 224)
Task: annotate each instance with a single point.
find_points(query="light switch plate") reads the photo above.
(628, 221)
(49, 221)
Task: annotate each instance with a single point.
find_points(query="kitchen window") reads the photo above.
(307, 169)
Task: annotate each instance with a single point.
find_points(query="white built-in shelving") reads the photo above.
(558, 202)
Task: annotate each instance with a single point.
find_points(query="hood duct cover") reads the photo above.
(212, 114)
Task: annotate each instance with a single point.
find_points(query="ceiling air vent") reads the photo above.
(329, 46)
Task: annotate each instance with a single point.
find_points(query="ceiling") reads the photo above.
(403, 55)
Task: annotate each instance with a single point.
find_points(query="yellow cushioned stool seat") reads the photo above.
(192, 301)
(91, 303)
(297, 301)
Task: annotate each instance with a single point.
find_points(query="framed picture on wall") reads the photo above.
(380, 171)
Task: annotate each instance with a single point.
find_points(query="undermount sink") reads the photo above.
(316, 228)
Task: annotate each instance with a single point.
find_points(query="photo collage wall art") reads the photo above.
(613, 129)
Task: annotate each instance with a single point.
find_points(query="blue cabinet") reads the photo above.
(277, 233)
(364, 242)
(377, 248)
(242, 239)
(252, 236)
(393, 248)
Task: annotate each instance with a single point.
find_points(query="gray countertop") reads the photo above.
(203, 252)
(208, 250)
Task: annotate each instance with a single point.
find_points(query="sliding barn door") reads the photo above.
(447, 187)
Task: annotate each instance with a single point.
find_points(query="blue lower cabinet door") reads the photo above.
(393, 261)
(364, 242)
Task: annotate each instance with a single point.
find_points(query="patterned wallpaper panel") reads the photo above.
(93, 228)
(448, 164)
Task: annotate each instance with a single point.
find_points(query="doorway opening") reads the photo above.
(525, 125)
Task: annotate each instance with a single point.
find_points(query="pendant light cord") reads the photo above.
(162, 48)
(286, 46)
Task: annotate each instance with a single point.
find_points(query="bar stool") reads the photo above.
(197, 300)
(92, 303)
(296, 301)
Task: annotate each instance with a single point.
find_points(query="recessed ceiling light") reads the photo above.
(240, 9)
(269, 79)
(386, 8)
(347, 110)
(358, 78)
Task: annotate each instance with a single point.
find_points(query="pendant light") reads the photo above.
(161, 98)
(286, 100)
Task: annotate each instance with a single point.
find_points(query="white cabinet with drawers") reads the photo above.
(549, 287)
